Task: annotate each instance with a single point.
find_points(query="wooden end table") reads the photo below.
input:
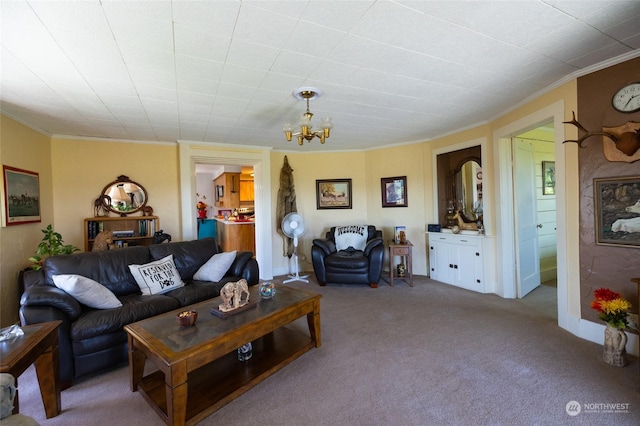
(39, 345)
(403, 250)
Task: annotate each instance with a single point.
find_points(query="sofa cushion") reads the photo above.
(189, 256)
(134, 308)
(215, 268)
(347, 260)
(107, 267)
(157, 277)
(87, 291)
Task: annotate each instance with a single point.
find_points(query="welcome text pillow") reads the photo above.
(350, 236)
(157, 277)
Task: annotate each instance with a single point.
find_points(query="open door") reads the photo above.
(526, 220)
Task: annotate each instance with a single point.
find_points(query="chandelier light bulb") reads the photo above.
(303, 131)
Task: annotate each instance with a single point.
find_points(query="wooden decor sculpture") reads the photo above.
(620, 143)
(468, 226)
(100, 206)
(231, 295)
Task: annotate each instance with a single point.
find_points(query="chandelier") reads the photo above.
(305, 125)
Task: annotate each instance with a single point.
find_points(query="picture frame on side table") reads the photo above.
(617, 220)
(333, 194)
(394, 191)
(21, 196)
(548, 178)
(400, 235)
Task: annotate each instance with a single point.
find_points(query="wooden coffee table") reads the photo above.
(198, 371)
(38, 346)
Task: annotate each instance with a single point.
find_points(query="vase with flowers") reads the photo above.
(613, 310)
(202, 208)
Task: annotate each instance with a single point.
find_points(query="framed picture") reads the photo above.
(617, 218)
(548, 178)
(394, 191)
(333, 194)
(219, 192)
(21, 196)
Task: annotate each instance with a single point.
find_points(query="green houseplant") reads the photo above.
(51, 245)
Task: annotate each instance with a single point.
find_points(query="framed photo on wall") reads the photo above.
(617, 216)
(21, 196)
(333, 194)
(394, 191)
(548, 178)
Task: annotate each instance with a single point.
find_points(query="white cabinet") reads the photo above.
(457, 259)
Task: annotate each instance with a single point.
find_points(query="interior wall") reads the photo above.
(603, 265)
(82, 168)
(26, 149)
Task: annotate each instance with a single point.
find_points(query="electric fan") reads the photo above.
(293, 227)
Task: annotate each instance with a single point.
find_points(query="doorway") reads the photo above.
(535, 216)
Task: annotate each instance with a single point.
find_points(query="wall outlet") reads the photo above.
(632, 319)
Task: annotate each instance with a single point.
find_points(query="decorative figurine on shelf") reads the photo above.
(402, 237)
(100, 206)
(147, 211)
(231, 295)
(103, 241)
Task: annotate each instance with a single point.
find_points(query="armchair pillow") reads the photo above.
(350, 236)
(87, 291)
(157, 277)
(215, 268)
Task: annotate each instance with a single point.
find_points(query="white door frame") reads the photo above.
(504, 199)
(191, 153)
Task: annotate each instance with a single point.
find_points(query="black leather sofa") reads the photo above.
(349, 266)
(93, 339)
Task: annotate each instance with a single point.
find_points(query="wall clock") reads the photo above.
(627, 99)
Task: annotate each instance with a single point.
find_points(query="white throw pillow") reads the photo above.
(157, 277)
(87, 291)
(350, 236)
(215, 268)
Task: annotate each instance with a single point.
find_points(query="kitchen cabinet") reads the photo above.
(226, 188)
(457, 260)
(238, 236)
(246, 190)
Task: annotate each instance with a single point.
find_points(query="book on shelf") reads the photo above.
(123, 234)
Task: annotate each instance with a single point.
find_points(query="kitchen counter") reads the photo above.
(232, 236)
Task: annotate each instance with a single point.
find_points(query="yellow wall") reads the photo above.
(82, 168)
(29, 150)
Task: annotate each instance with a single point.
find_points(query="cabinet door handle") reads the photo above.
(477, 254)
(431, 247)
(455, 266)
(450, 265)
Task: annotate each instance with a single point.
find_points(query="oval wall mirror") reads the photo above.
(467, 188)
(124, 196)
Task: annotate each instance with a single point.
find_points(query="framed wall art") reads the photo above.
(333, 194)
(548, 178)
(394, 191)
(617, 212)
(21, 196)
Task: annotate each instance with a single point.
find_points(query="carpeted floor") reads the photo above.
(428, 355)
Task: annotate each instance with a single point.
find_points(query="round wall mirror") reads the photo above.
(124, 196)
(467, 188)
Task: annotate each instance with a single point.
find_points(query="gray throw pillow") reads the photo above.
(215, 268)
(87, 291)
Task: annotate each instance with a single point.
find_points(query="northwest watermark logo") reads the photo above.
(573, 408)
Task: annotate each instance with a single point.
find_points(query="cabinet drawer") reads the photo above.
(400, 251)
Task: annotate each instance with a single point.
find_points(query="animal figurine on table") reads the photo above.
(160, 237)
(231, 295)
(103, 241)
(463, 225)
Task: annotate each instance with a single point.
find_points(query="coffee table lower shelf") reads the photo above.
(219, 382)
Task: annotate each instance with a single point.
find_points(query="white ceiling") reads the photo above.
(224, 71)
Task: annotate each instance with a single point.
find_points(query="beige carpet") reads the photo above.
(428, 355)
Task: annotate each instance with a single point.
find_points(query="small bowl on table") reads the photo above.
(187, 318)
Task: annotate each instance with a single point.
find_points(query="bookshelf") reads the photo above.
(127, 231)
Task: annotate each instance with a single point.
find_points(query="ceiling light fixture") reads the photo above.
(305, 124)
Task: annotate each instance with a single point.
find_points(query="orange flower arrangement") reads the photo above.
(612, 308)
(201, 205)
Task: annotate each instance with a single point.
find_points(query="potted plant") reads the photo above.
(51, 245)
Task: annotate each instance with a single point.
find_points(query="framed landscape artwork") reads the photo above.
(548, 178)
(333, 194)
(394, 191)
(21, 196)
(617, 211)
